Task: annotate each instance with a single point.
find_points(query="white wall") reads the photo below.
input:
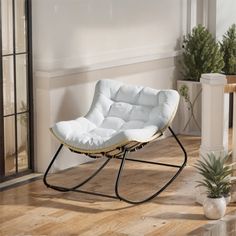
(225, 16)
(75, 33)
(221, 16)
(77, 42)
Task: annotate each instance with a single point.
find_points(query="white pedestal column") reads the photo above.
(215, 109)
(234, 130)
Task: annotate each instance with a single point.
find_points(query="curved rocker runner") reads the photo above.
(122, 119)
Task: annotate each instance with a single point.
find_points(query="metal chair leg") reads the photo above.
(160, 190)
(65, 189)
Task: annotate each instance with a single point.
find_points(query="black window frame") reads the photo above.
(29, 75)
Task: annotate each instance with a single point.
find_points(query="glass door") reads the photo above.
(16, 129)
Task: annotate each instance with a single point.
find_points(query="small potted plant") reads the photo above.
(216, 180)
(201, 54)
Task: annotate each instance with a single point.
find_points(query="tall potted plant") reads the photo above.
(228, 48)
(201, 54)
(216, 180)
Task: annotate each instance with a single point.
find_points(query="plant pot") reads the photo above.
(214, 208)
(231, 79)
(189, 117)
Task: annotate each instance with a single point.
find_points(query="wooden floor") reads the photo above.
(32, 209)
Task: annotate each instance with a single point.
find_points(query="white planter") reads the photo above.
(190, 120)
(214, 208)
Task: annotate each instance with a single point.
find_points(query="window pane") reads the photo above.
(9, 141)
(7, 27)
(20, 24)
(21, 83)
(22, 141)
(8, 85)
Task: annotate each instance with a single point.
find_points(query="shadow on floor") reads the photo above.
(182, 216)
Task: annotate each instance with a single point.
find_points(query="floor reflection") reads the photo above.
(224, 227)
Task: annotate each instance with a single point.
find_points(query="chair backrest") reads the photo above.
(130, 107)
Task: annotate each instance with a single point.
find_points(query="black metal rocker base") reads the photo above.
(122, 157)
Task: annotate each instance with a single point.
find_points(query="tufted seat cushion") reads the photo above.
(119, 114)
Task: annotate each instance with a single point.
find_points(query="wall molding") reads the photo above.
(191, 14)
(205, 13)
(106, 64)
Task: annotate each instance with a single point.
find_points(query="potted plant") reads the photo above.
(228, 48)
(216, 180)
(201, 54)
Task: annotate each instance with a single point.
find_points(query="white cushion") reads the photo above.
(119, 113)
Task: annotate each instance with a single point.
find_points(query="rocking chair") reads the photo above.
(122, 119)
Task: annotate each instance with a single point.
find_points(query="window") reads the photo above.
(16, 118)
